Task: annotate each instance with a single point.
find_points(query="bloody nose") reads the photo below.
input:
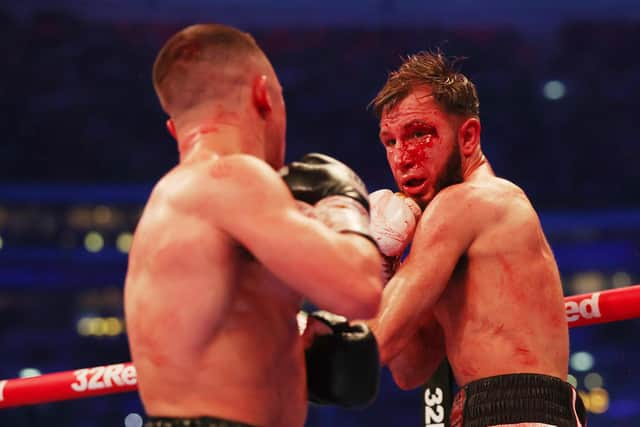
(409, 155)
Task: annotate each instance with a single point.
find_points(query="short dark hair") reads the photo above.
(174, 71)
(452, 90)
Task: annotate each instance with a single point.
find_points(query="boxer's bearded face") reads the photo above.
(422, 146)
(452, 170)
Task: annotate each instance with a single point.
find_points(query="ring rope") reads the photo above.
(581, 310)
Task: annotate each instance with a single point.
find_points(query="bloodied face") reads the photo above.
(422, 146)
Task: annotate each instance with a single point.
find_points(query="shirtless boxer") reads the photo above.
(480, 284)
(222, 255)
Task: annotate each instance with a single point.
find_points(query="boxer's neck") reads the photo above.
(475, 165)
(220, 135)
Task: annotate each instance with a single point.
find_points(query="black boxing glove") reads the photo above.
(338, 195)
(316, 176)
(343, 368)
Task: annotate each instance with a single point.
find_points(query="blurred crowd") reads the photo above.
(78, 104)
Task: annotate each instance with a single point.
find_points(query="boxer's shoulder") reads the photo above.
(226, 177)
(506, 203)
(463, 211)
(239, 174)
(486, 200)
(233, 165)
(459, 201)
(490, 210)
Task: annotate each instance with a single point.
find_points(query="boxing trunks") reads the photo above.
(518, 398)
(192, 422)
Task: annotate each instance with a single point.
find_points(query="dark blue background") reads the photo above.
(81, 128)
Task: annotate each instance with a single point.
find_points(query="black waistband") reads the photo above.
(192, 422)
(518, 398)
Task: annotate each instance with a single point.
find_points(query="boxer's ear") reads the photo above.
(171, 127)
(260, 95)
(469, 136)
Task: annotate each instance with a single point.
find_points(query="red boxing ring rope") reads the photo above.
(581, 310)
(68, 385)
(603, 307)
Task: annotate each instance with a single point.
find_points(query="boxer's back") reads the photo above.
(503, 310)
(211, 331)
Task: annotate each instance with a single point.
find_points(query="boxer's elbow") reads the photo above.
(405, 382)
(391, 342)
(407, 373)
(385, 354)
(364, 301)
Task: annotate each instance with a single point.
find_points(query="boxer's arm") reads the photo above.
(339, 272)
(420, 358)
(444, 232)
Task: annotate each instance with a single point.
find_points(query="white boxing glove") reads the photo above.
(394, 217)
(393, 221)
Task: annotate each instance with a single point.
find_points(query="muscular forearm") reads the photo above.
(397, 322)
(417, 361)
(388, 347)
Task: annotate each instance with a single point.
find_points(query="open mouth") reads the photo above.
(414, 186)
(414, 182)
